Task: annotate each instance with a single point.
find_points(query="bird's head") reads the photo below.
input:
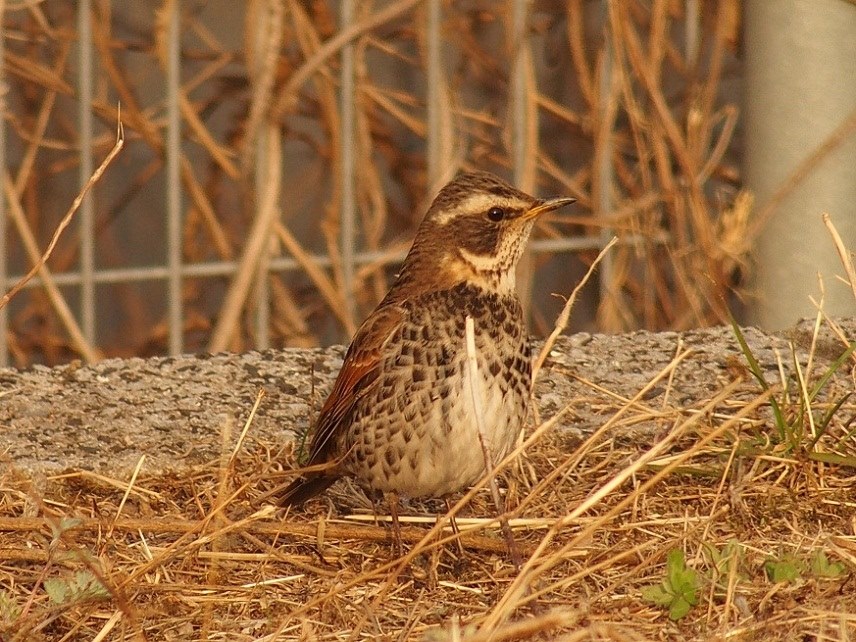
(475, 230)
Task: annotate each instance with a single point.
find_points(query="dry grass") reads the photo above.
(193, 556)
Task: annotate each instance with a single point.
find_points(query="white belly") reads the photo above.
(449, 455)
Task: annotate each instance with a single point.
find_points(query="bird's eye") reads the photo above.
(496, 214)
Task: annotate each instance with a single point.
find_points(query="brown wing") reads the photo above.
(360, 369)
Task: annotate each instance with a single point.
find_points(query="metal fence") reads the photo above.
(341, 62)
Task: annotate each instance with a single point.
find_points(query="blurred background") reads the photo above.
(279, 155)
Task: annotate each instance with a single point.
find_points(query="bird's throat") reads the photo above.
(493, 273)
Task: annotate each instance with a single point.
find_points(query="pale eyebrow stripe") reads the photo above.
(474, 203)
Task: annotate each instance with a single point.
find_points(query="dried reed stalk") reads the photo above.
(39, 260)
(643, 157)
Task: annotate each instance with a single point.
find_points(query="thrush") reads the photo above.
(401, 417)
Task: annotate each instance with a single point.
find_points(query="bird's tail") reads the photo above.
(304, 488)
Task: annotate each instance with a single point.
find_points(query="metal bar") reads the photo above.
(87, 207)
(262, 289)
(348, 236)
(605, 172)
(286, 264)
(4, 268)
(523, 117)
(173, 178)
(519, 99)
(262, 30)
(692, 24)
(434, 92)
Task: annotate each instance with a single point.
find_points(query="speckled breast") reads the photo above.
(416, 430)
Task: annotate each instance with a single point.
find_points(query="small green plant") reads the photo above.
(721, 562)
(722, 558)
(798, 425)
(58, 530)
(678, 591)
(10, 610)
(82, 585)
(787, 568)
(822, 568)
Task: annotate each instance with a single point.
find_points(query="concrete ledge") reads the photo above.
(104, 417)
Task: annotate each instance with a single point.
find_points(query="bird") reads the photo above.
(401, 418)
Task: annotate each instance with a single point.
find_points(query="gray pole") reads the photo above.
(175, 312)
(800, 94)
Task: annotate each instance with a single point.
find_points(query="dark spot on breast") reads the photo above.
(494, 305)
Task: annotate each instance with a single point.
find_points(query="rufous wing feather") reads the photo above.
(359, 372)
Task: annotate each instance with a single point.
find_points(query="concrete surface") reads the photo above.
(105, 416)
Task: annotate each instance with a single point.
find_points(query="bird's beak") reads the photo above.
(541, 207)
